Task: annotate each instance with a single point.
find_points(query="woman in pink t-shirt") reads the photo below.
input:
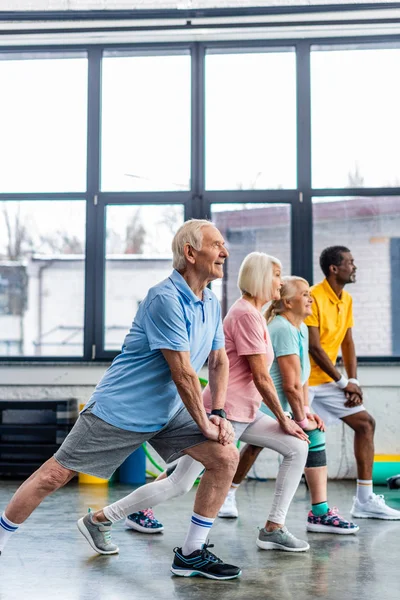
(250, 354)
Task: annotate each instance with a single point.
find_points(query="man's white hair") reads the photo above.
(255, 275)
(189, 233)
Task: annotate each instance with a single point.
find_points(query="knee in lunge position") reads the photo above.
(224, 459)
(298, 450)
(363, 424)
(52, 476)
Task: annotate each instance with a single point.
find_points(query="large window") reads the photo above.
(370, 228)
(43, 123)
(42, 268)
(251, 120)
(287, 146)
(355, 117)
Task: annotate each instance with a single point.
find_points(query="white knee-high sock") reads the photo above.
(151, 494)
(7, 528)
(364, 489)
(197, 535)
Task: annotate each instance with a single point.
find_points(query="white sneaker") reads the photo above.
(229, 509)
(374, 508)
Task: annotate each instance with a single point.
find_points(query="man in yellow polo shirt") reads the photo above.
(333, 395)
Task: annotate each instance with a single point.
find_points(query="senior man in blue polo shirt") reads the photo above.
(151, 392)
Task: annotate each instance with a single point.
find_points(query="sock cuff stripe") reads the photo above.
(6, 526)
(207, 524)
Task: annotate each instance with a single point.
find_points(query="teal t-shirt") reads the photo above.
(287, 339)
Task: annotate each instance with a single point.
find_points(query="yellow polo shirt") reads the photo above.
(333, 316)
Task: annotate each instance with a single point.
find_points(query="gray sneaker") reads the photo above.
(280, 539)
(97, 534)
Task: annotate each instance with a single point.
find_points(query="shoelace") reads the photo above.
(287, 532)
(107, 536)
(334, 512)
(379, 498)
(148, 512)
(206, 555)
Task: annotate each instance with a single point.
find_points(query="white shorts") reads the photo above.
(328, 400)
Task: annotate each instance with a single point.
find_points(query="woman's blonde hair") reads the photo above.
(189, 233)
(288, 291)
(255, 274)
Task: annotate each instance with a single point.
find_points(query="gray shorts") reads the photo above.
(97, 448)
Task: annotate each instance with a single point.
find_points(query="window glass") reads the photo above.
(249, 228)
(146, 123)
(43, 123)
(251, 120)
(138, 256)
(42, 275)
(370, 228)
(355, 118)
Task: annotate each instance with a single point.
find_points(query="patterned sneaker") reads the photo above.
(331, 522)
(229, 509)
(202, 563)
(97, 534)
(280, 539)
(144, 521)
(374, 508)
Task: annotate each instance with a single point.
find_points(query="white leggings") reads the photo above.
(264, 432)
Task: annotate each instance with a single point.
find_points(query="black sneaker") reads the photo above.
(203, 563)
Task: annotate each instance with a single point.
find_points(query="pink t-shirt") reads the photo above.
(246, 333)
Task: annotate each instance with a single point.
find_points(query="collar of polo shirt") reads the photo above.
(181, 285)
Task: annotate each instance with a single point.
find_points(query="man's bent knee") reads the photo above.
(362, 423)
(217, 457)
(51, 475)
(231, 458)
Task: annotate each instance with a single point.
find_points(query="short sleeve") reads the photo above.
(219, 338)
(284, 341)
(165, 325)
(313, 319)
(249, 335)
(350, 319)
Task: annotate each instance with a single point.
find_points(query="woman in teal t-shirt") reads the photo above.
(290, 372)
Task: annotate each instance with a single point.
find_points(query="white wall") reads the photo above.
(381, 386)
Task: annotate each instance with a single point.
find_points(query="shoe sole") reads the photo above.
(359, 515)
(86, 534)
(231, 516)
(137, 527)
(193, 573)
(335, 530)
(274, 546)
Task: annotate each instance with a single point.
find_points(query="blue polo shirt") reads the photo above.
(137, 392)
(287, 339)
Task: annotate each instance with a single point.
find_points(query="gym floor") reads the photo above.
(49, 559)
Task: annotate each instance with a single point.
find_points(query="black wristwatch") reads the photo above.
(219, 412)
